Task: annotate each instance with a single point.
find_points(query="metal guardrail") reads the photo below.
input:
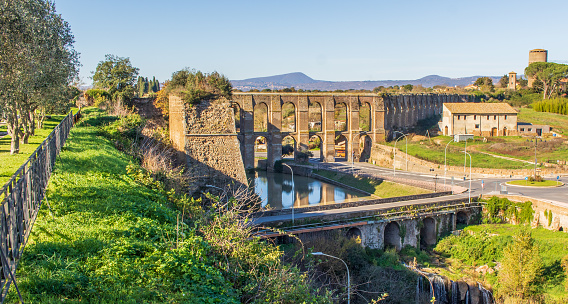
(21, 199)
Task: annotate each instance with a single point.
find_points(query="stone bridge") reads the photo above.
(408, 225)
(345, 126)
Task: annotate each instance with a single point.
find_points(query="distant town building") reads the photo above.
(537, 55)
(512, 81)
(479, 119)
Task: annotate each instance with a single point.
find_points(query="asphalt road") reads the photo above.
(490, 185)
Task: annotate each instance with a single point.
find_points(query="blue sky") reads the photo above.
(327, 40)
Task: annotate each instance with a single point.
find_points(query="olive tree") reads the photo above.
(36, 57)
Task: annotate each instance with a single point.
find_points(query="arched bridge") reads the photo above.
(398, 224)
(342, 126)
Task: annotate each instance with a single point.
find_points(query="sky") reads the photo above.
(326, 40)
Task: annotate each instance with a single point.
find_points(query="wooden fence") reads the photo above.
(21, 199)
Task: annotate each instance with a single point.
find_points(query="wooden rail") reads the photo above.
(21, 199)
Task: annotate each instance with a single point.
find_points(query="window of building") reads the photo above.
(530, 129)
(464, 117)
(487, 117)
(505, 117)
(494, 117)
(477, 126)
(458, 117)
(474, 117)
(522, 129)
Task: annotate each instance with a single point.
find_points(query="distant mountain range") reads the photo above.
(302, 81)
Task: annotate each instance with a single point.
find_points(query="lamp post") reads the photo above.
(464, 153)
(394, 158)
(293, 190)
(445, 168)
(348, 281)
(469, 175)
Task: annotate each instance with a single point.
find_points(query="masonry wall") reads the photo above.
(559, 218)
(205, 133)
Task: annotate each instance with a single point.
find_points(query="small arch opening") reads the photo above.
(392, 236)
(341, 148)
(314, 116)
(261, 118)
(428, 232)
(288, 147)
(288, 117)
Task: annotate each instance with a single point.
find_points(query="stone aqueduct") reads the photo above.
(383, 114)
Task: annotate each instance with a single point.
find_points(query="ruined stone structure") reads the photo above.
(205, 135)
(383, 115)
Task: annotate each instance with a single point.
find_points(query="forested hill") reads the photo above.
(302, 81)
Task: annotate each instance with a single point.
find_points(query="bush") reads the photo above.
(193, 86)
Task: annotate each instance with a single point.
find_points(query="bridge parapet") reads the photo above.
(395, 226)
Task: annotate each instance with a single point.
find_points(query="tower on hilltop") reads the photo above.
(537, 55)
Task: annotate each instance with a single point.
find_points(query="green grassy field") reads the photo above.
(381, 189)
(433, 151)
(558, 122)
(546, 183)
(11, 163)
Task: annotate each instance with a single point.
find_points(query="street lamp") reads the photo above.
(348, 282)
(469, 175)
(445, 168)
(293, 190)
(394, 158)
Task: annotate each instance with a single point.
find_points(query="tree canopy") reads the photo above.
(117, 76)
(37, 63)
(485, 84)
(193, 86)
(549, 73)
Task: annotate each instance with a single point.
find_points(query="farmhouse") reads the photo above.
(479, 119)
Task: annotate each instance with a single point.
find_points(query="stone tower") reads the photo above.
(537, 55)
(205, 134)
(512, 81)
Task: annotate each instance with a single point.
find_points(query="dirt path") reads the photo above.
(499, 156)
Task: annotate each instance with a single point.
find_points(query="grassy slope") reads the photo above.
(11, 163)
(109, 239)
(558, 122)
(382, 189)
(493, 238)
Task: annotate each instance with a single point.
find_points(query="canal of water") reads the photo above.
(279, 191)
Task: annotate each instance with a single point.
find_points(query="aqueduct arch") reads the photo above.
(303, 115)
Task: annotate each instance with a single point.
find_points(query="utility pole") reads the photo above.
(535, 141)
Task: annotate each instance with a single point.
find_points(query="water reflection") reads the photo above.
(278, 191)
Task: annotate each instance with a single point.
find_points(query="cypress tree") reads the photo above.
(140, 85)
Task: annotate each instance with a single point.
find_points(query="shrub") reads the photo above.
(193, 86)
